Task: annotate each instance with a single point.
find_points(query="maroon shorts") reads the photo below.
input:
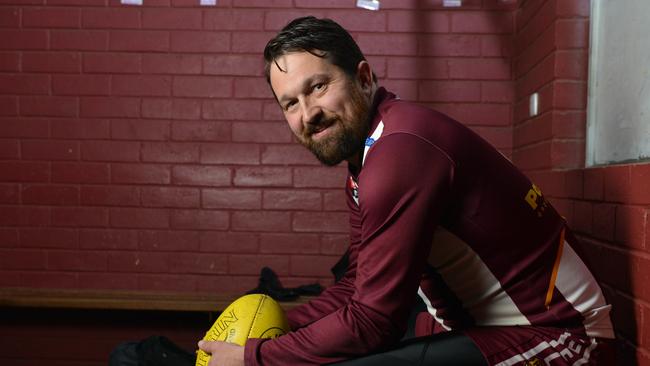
(533, 346)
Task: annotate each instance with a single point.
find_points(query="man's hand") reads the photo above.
(223, 354)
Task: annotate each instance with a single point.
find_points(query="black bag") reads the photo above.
(152, 351)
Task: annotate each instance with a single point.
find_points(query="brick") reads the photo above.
(335, 200)
(201, 175)
(9, 194)
(145, 218)
(639, 176)
(404, 89)
(139, 40)
(108, 281)
(80, 173)
(108, 239)
(231, 110)
(9, 149)
(263, 176)
(497, 92)
(252, 264)
(231, 198)
(167, 283)
(292, 200)
(50, 106)
(113, 62)
(52, 17)
(536, 51)
(571, 64)
(640, 275)
(252, 88)
(201, 263)
(68, 260)
(567, 154)
(24, 216)
(233, 65)
(110, 196)
(170, 197)
(22, 259)
(171, 64)
(187, 41)
(594, 184)
(480, 69)
(289, 243)
(630, 228)
(48, 238)
(445, 45)
(174, 241)
(334, 244)
(263, 3)
(65, 62)
(170, 152)
(23, 39)
(325, 222)
(569, 124)
(140, 173)
(388, 44)
(268, 132)
(110, 107)
(272, 112)
(570, 95)
(577, 8)
(478, 114)
(141, 85)
(617, 183)
(139, 262)
(50, 195)
(111, 18)
(497, 46)
(200, 131)
(49, 279)
(171, 18)
(50, 150)
(79, 217)
(202, 86)
(267, 221)
(24, 84)
(450, 91)
(9, 238)
(572, 33)
(418, 22)
(287, 155)
(250, 42)
(234, 19)
(24, 171)
(417, 68)
(139, 129)
(8, 106)
(320, 177)
(200, 220)
(79, 40)
(533, 157)
(604, 221)
(186, 109)
(482, 22)
(228, 242)
(157, 107)
(79, 128)
(10, 17)
(312, 265)
(110, 151)
(538, 21)
(218, 153)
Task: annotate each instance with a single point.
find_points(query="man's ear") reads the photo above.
(364, 75)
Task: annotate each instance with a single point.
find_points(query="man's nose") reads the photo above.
(310, 113)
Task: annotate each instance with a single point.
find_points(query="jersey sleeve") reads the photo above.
(404, 186)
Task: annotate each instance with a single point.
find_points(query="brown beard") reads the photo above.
(350, 136)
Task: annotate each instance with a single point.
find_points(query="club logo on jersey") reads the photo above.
(536, 200)
(354, 188)
(534, 362)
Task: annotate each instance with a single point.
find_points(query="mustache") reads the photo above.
(318, 125)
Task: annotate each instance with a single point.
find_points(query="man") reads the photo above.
(435, 212)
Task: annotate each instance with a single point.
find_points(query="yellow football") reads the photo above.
(250, 316)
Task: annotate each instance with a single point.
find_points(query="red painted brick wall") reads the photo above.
(140, 147)
(608, 207)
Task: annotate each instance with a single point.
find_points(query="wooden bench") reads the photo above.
(120, 300)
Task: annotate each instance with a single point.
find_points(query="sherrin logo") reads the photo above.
(536, 200)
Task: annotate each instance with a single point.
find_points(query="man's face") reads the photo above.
(327, 110)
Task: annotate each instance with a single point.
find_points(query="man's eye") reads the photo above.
(319, 86)
(289, 105)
